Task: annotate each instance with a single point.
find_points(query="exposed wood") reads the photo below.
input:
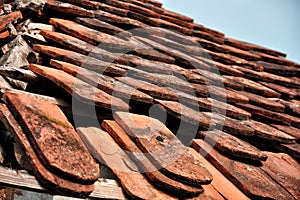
(81, 90)
(18, 74)
(231, 145)
(45, 177)
(283, 172)
(20, 179)
(54, 138)
(104, 149)
(17, 54)
(157, 178)
(250, 179)
(165, 151)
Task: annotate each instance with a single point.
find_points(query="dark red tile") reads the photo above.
(6, 19)
(53, 137)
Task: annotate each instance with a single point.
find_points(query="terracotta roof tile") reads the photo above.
(241, 97)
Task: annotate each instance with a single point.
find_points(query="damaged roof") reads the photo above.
(125, 99)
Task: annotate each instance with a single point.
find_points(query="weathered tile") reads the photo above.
(291, 149)
(149, 88)
(292, 106)
(264, 102)
(81, 90)
(90, 35)
(4, 35)
(80, 60)
(269, 133)
(102, 26)
(225, 69)
(277, 60)
(105, 83)
(67, 8)
(124, 22)
(283, 172)
(248, 46)
(255, 87)
(11, 17)
(177, 21)
(142, 10)
(289, 130)
(268, 77)
(164, 149)
(187, 114)
(53, 137)
(230, 145)
(148, 5)
(47, 178)
(106, 151)
(157, 178)
(178, 16)
(261, 112)
(229, 125)
(208, 36)
(250, 179)
(84, 3)
(289, 93)
(79, 46)
(279, 69)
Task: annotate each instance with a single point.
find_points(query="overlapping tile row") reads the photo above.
(238, 97)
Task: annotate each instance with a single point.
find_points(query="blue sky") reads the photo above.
(271, 23)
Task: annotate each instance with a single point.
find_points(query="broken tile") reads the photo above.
(11, 17)
(156, 177)
(165, 150)
(106, 151)
(81, 90)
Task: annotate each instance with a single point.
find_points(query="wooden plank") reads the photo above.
(48, 179)
(165, 151)
(79, 89)
(105, 83)
(250, 179)
(220, 183)
(231, 145)
(104, 188)
(105, 150)
(54, 138)
(283, 172)
(156, 177)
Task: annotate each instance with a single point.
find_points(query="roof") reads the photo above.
(171, 108)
